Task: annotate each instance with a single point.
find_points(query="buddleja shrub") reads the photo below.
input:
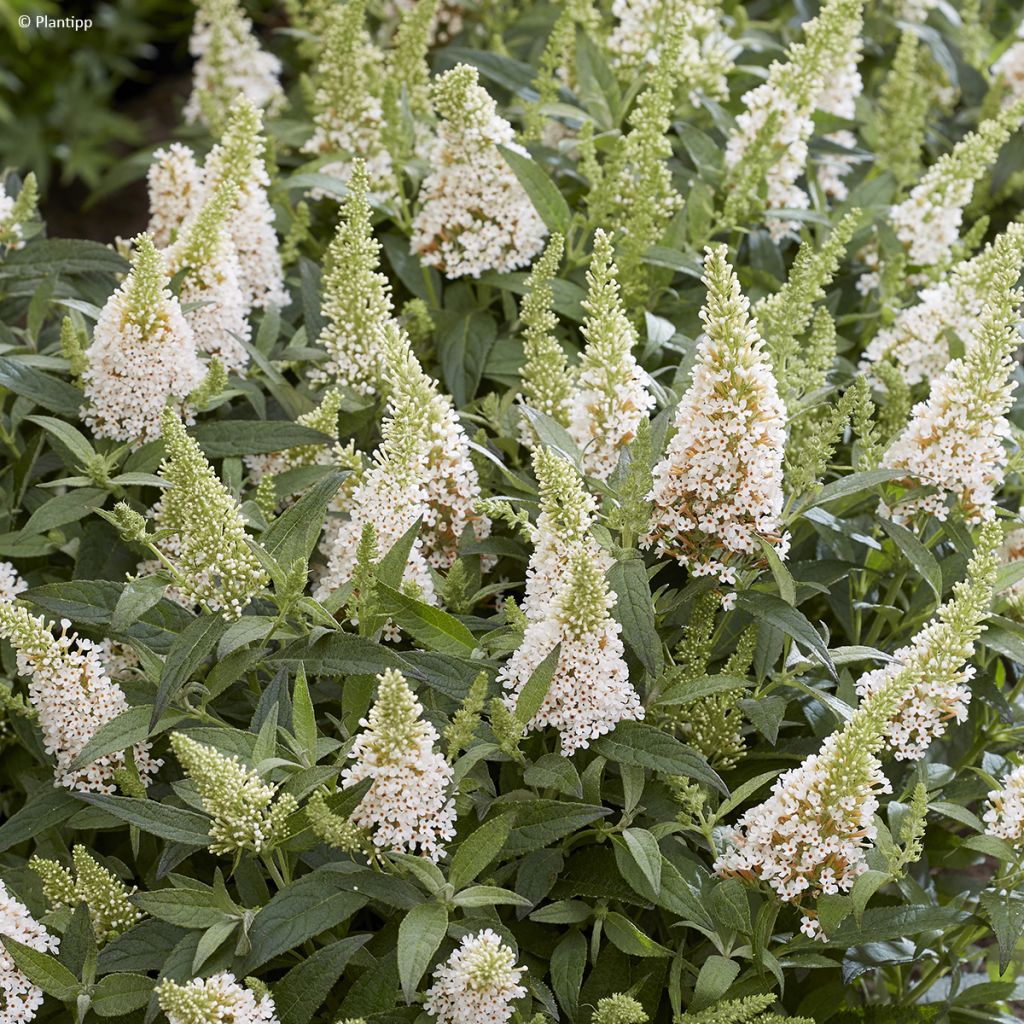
(531, 530)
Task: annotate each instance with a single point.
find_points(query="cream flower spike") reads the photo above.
(205, 252)
(568, 602)
(356, 300)
(73, 697)
(474, 214)
(718, 491)
(407, 807)
(239, 157)
(611, 395)
(477, 984)
(143, 353)
(421, 469)
(20, 998)
(214, 563)
(215, 1000)
(229, 61)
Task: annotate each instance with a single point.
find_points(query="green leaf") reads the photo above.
(223, 438)
(855, 483)
(1005, 910)
(643, 850)
(634, 609)
(187, 653)
(26, 381)
(716, 975)
(648, 747)
(883, 924)
(552, 771)
(568, 961)
(391, 568)
(127, 729)
(316, 902)
(783, 579)
(706, 686)
(419, 936)
(774, 611)
(433, 627)
(535, 689)
(185, 907)
(464, 341)
(542, 822)
(138, 596)
(43, 970)
(549, 203)
(744, 792)
(302, 991)
(157, 819)
(64, 509)
(48, 256)
(478, 849)
(46, 808)
(489, 895)
(294, 533)
(67, 435)
(303, 716)
(625, 935)
(118, 994)
(916, 554)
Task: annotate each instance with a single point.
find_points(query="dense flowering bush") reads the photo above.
(531, 531)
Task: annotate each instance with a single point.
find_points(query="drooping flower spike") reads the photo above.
(20, 999)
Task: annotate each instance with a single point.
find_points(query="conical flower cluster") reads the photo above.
(211, 283)
(474, 214)
(568, 602)
(718, 491)
(213, 560)
(20, 1000)
(422, 469)
(770, 141)
(933, 670)
(16, 212)
(229, 61)
(1004, 815)
(477, 984)
(238, 158)
(348, 117)
(611, 395)
(356, 295)
(215, 1000)
(811, 836)
(175, 183)
(928, 221)
(1009, 68)
(407, 807)
(106, 896)
(955, 441)
(143, 353)
(73, 697)
(547, 379)
(641, 26)
(917, 340)
(234, 796)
